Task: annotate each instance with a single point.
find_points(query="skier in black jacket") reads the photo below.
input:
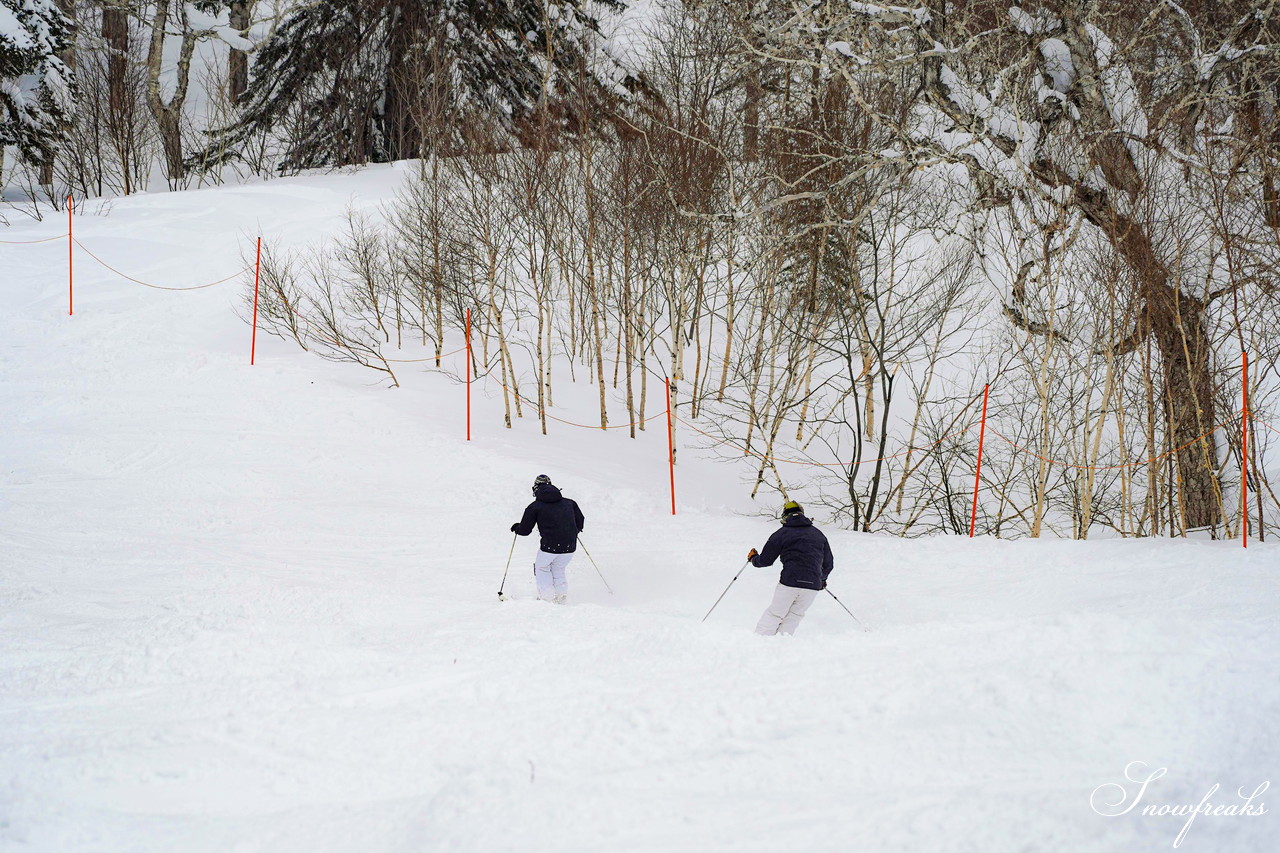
(806, 563)
(559, 521)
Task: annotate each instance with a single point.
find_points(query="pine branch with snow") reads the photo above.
(37, 89)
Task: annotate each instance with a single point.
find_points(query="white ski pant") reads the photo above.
(548, 572)
(784, 614)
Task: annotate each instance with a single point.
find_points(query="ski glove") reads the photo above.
(752, 554)
(515, 528)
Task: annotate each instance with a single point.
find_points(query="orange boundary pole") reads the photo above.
(1244, 455)
(468, 374)
(257, 268)
(671, 449)
(71, 291)
(982, 434)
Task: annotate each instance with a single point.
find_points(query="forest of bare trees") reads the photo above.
(830, 225)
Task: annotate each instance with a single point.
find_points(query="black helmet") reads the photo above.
(540, 480)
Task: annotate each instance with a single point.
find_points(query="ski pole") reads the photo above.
(593, 563)
(726, 589)
(510, 553)
(847, 610)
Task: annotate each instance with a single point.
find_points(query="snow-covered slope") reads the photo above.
(254, 608)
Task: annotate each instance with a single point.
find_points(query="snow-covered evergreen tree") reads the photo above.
(37, 89)
(350, 82)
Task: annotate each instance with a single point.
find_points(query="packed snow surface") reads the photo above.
(254, 608)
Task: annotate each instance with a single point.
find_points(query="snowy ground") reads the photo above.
(254, 608)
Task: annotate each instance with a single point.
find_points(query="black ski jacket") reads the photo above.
(558, 519)
(806, 555)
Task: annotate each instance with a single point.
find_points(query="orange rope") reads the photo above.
(420, 360)
(1106, 467)
(644, 420)
(552, 417)
(32, 242)
(648, 418)
(534, 403)
(764, 458)
(325, 340)
(157, 286)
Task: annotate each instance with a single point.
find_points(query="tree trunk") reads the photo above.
(115, 32)
(400, 138)
(169, 116)
(1176, 323)
(1178, 329)
(751, 116)
(1183, 342)
(238, 68)
(121, 101)
(887, 390)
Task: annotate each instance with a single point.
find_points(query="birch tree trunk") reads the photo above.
(168, 114)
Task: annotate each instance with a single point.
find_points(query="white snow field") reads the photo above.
(254, 608)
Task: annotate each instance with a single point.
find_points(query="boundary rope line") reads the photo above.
(646, 418)
(1137, 464)
(128, 277)
(417, 360)
(325, 340)
(32, 242)
(952, 434)
(764, 458)
(909, 450)
(488, 374)
(534, 403)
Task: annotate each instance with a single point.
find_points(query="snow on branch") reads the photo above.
(218, 25)
(1038, 24)
(938, 50)
(1119, 91)
(918, 16)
